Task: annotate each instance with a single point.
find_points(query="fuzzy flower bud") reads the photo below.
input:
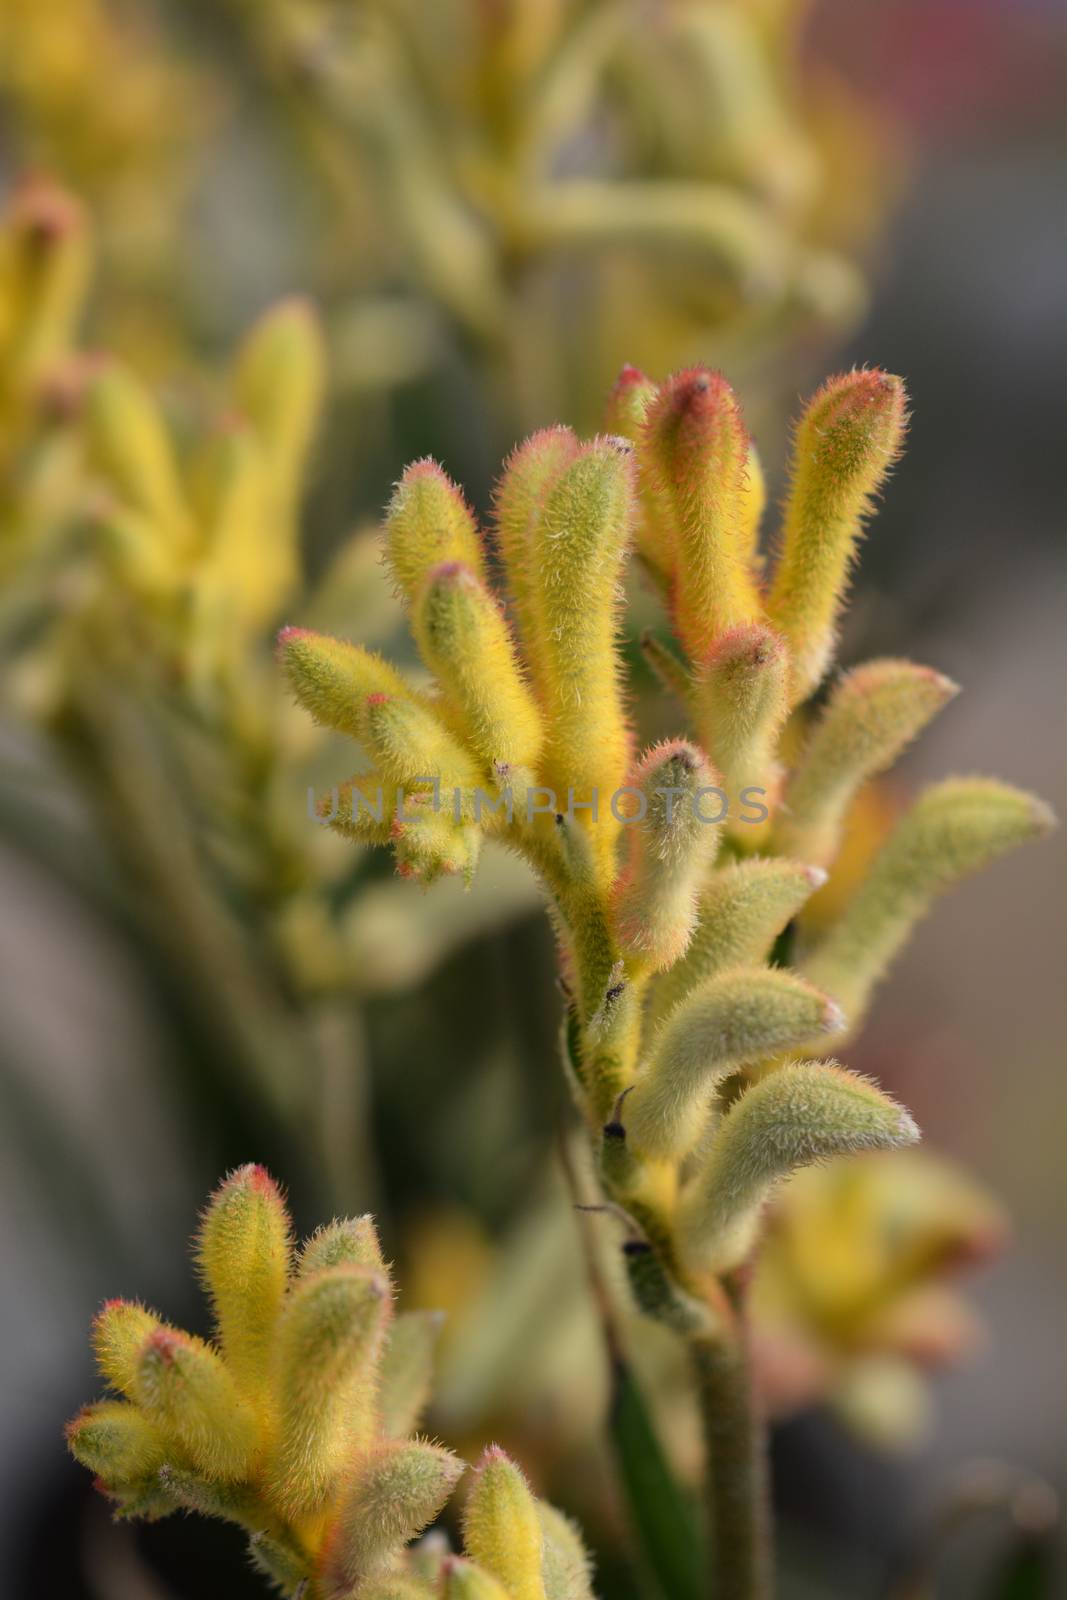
(952, 830)
(185, 1388)
(243, 1251)
(742, 911)
(329, 1342)
(870, 719)
(672, 848)
(846, 442)
(464, 640)
(333, 680)
(627, 409)
(278, 383)
(531, 470)
(729, 1022)
(398, 1488)
(129, 446)
(501, 1528)
(803, 1113)
(694, 448)
(118, 1335)
(739, 703)
(117, 1443)
(428, 522)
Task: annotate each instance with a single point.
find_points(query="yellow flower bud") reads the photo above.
(118, 1335)
(243, 1250)
(739, 705)
(694, 449)
(186, 1389)
(117, 1443)
(531, 470)
(129, 446)
(501, 1528)
(846, 442)
(672, 848)
(464, 640)
(278, 383)
(428, 522)
(396, 1490)
(627, 409)
(333, 680)
(407, 1370)
(329, 1342)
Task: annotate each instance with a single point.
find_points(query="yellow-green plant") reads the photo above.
(673, 878)
(296, 1422)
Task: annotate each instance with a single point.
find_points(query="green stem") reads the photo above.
(739, 1532)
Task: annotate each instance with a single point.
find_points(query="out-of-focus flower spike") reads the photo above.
(129, 446)
(464, 640)
(345, 1242)
(394, 1492)
(250, 565)
(117, 1443)
(578, 549)
(244, 1254)
(429, 522)
(846, 441)
(566, 1567)
(729, 1022)
(501, 1528)
(529, 474)
(328, 1347)
(739, 706)
(672, 849)
(804, 1112)
(694, 449)
(186, 1388)
(333, 680)
(279, 383)
(463, 1580)
(952, 830)
(742, 911)
(872, 716)
(45, 261)
(119, 1331)
(627, 409)
(407, 1370)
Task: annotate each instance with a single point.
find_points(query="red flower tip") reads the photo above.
(287, 636)
(378, 698)
(750, 644)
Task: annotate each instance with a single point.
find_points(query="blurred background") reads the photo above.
(493, 206)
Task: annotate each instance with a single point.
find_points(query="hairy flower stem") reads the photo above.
(738, 1501)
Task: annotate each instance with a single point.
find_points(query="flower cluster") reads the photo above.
(296, 1423)
(692, 1047)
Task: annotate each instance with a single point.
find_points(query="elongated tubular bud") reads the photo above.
(578, 550)
(243, 1251)
(249, 568)
(672, 849)
(345, 1242)
(119, 1331)
(462, 1580)
(501, 1528)
(846, 441)
(397, 1489)
(279, 382)
(186, 1389)
(464, 640)
(232, 1502)
(804, 1112)
(730, 1021)
(407, 1369)
(129, 446)
(565, 1563)
(871, 717)
(410, 744)
(333, 680)
(519, 502)
(48, 262)
(428, 522)
(365, 808)
(117, 1443)
(741, 912)
(429, 843)
(329, 1343)
(739, 705)
(694, 449)
(952, 830)
(627, 409)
